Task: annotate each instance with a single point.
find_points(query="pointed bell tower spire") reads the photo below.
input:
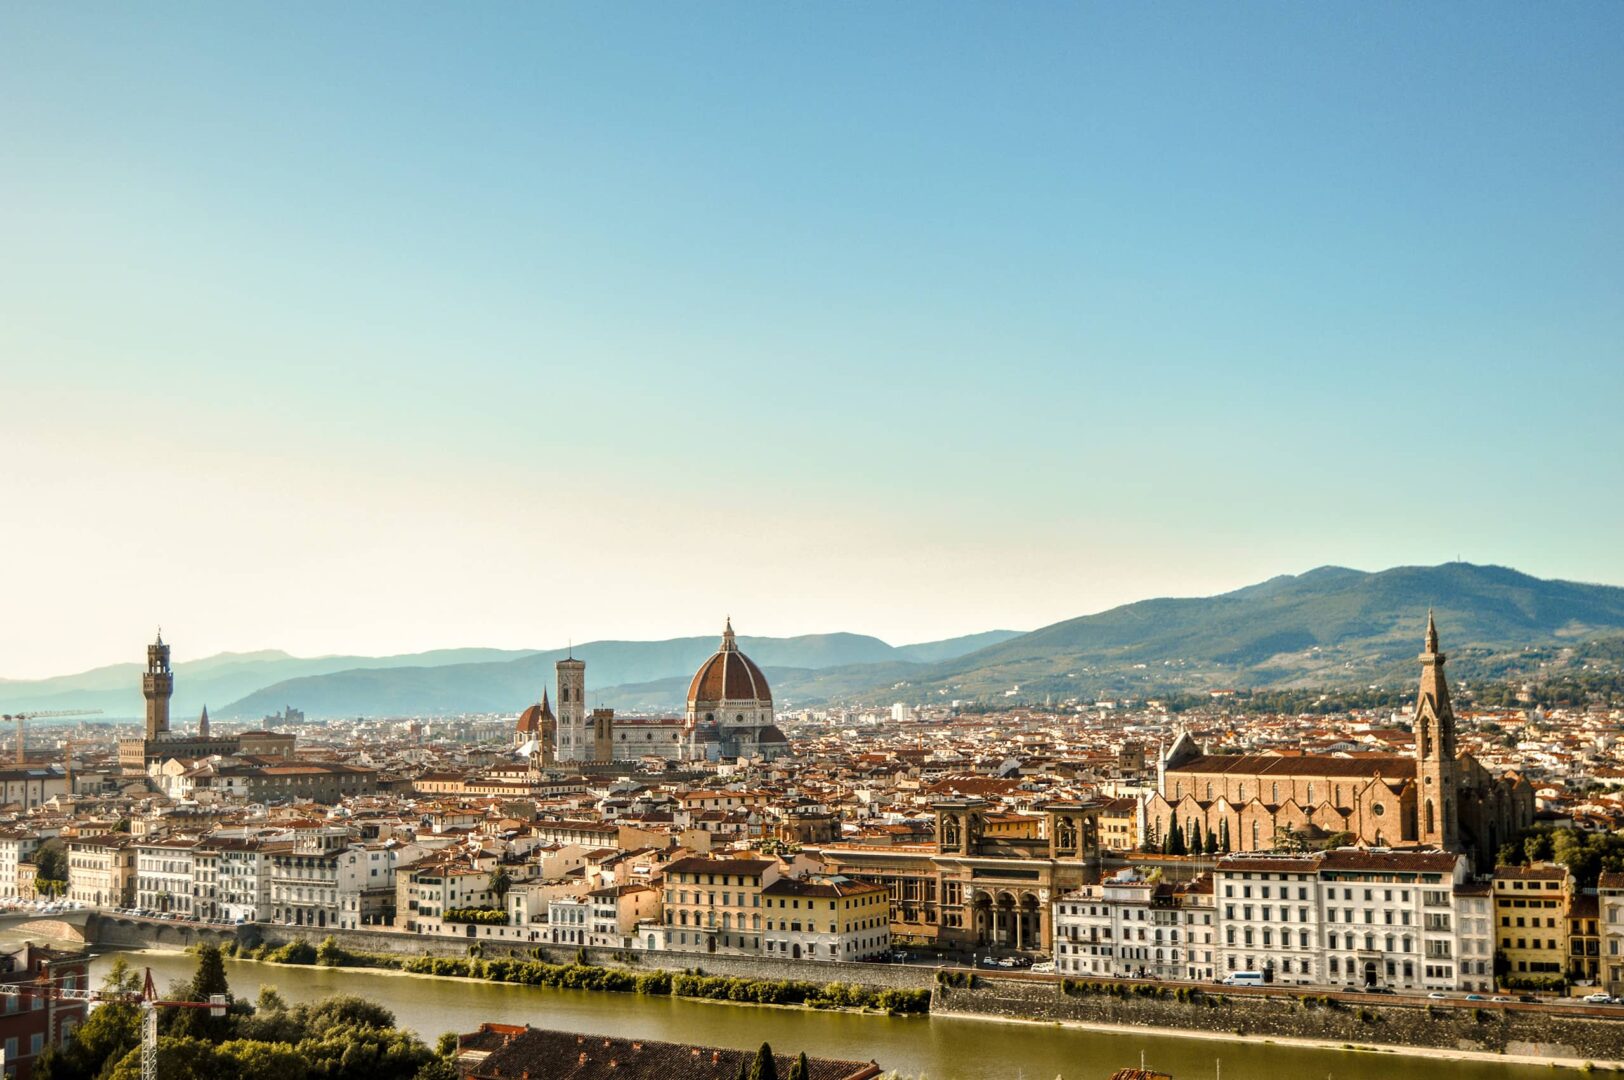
(729, 642)
(1436, 768)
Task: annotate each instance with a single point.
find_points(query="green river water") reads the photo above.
(937, 1048)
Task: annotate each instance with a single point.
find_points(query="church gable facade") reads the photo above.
(1434, 798)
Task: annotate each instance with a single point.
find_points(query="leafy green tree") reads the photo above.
(1537, 846)
(178, 1059)
(1197, 845)
(51, 865)
(500, 884)
(109, 1033)
(801, 1070)
(764, 1067)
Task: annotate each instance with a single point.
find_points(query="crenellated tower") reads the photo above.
(157, 686)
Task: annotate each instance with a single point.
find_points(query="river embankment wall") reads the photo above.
(1317, 1018)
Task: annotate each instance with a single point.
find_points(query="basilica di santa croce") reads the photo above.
(1435, 798)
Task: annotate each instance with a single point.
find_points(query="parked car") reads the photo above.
(1437, 996)
(1045, 968)
(1598, 998)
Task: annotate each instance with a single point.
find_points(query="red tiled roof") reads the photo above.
(566, 1055)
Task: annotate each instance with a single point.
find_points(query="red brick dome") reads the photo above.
(728, 675)
(536, 719)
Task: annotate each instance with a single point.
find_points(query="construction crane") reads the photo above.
(22, 752)
(147, 999)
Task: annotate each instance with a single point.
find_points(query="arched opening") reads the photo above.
(1370, 973)
(1429, 816)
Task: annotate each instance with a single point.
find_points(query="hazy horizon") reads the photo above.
(382, 329)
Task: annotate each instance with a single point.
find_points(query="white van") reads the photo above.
(1243, 978)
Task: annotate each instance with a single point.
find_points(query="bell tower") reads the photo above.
(1437, 804)
(574, 744)
(157, 685)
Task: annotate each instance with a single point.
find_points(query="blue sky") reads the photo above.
(381, 327)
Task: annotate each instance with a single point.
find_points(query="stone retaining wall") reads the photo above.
(1489, 1030)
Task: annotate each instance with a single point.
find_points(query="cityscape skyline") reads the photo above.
(429, 331)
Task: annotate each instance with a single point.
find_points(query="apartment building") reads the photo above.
(1196, 906)
(714, 905)
(1530, 915)
(568, 920)
(17, 846)
(101, 870)
(1474, 935)
(245, 875)
(1389, 917)
(366, 885)
(304, 877)
(1351, 916)
(163, 874)
(1269, 915)
(616, 912)
(206, 881)
(1610, 899)
(825, 918)
(426, 890)
(1584, 937)
(1128, 926)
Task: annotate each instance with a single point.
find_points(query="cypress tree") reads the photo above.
(209, 979)
(1197, 846)
(1175, 840)
(764, 1067)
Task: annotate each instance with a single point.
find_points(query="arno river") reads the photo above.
(937, 1048)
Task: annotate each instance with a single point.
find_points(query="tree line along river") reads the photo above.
(922, 1048)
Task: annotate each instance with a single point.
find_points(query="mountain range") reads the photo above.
(1331, 626)
(252, 685)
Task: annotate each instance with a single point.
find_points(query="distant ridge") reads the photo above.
(254, 684)
(1329, 626)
